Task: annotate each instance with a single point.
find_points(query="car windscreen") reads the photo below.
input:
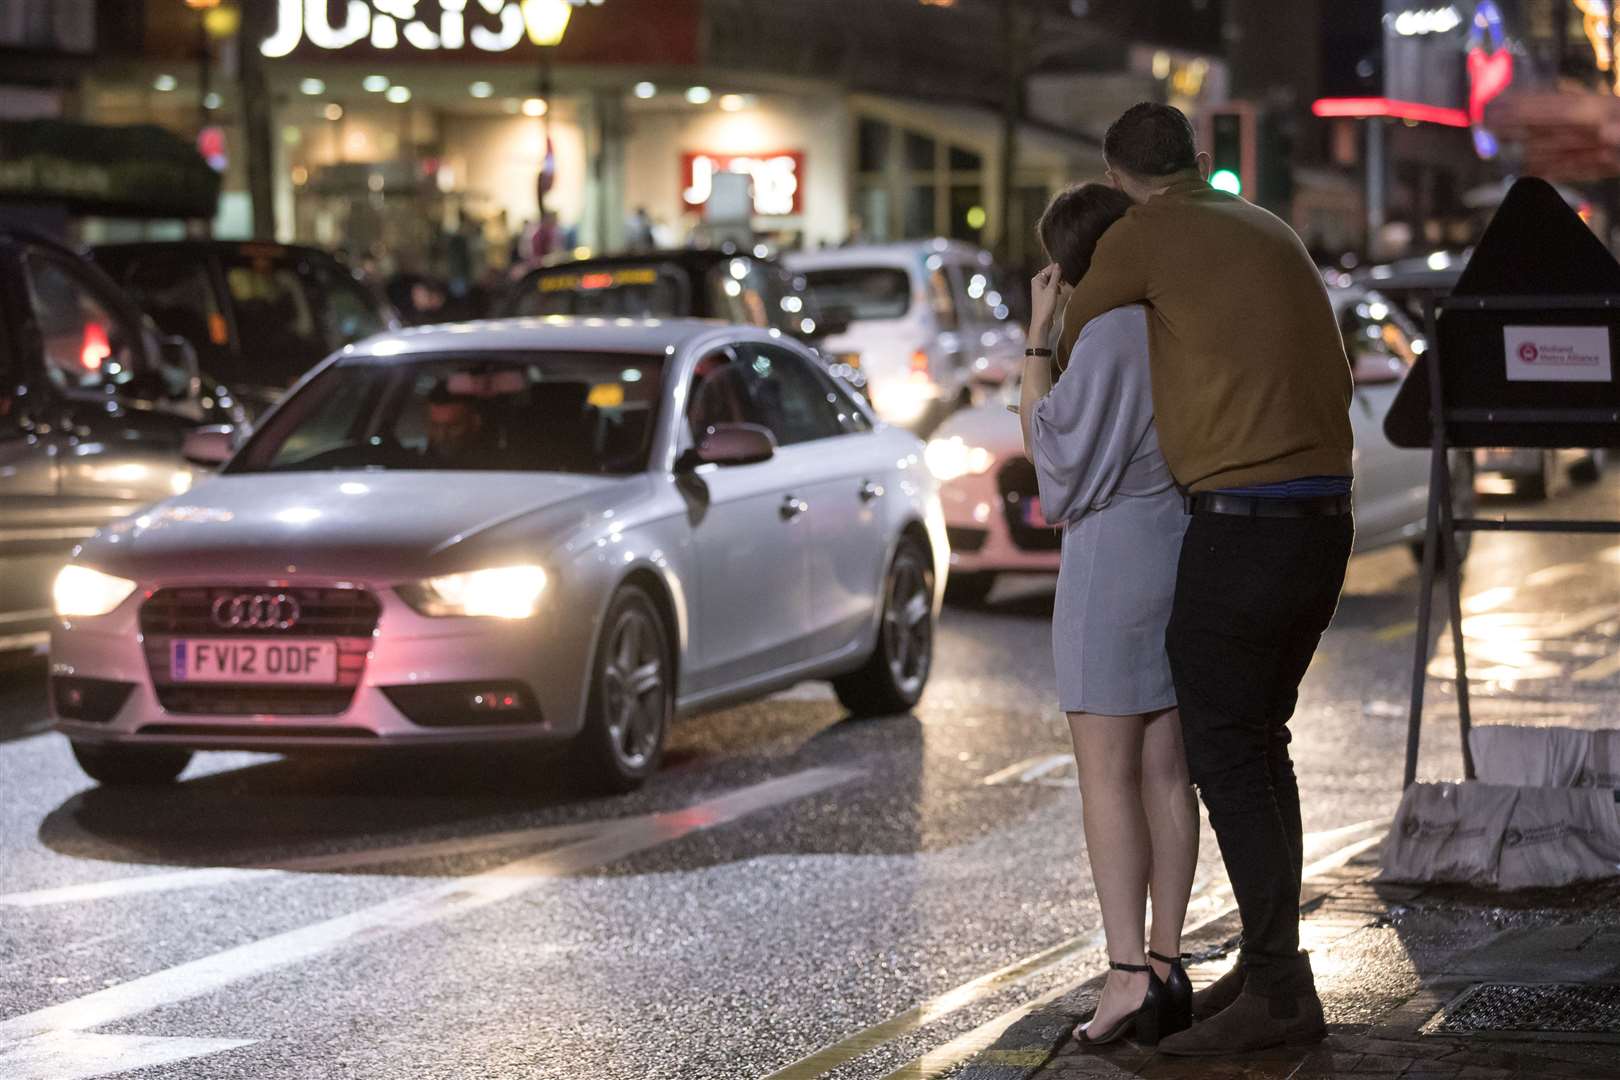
(568, 412)
(861, 292)
(293, 310)
(636, 292)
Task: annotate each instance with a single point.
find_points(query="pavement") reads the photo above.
(1399, 968)
(797, 895)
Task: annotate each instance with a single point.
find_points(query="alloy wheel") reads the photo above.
(908, 625)
(634, 696)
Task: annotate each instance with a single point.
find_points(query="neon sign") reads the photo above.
(1490, 71)
(493, 26)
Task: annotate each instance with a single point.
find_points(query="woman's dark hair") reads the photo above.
(1074, 221)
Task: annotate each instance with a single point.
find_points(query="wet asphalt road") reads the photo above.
(791, 879)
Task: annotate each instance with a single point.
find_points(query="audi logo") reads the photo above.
(256, 611)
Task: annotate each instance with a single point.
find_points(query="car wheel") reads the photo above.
(1541, 485)
(1586, 470)
(892, 679)
(632, 698)
(968, 590)
(121, 766)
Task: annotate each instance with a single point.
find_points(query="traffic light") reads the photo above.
(1231, 146)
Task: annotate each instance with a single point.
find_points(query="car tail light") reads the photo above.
(919, 362)
(96, 346)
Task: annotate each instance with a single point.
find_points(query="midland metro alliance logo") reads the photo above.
(1528, 352)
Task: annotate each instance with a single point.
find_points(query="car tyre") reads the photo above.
(969, 590)
(1540, 486)
(1587, 470)
(632, 696)
(891, 680)
(131, 766)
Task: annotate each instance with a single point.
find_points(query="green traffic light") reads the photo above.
(1226, 180)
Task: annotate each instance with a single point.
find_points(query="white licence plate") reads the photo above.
(193, 660)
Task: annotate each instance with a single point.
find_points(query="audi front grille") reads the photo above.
(321, 612)
(347, 616)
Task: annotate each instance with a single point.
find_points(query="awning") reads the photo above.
(139, 171)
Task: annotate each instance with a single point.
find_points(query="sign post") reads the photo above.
(1522, 355)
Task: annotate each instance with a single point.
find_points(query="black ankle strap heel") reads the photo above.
(1144, 1021)
(1176, 1012)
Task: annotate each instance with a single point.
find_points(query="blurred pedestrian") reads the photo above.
(638, 231)
(1101, 476)
(1251, 393)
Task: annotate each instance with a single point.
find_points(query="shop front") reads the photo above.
(430, 135)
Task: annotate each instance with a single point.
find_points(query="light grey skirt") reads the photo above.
(1114, 591)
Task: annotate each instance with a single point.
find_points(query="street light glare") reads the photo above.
(733, 102)
(312, 87)
(164, 83)
(645, 90)
(480, 89)
(374, 84)
(534, 106)
(399, 95)
(698, 95)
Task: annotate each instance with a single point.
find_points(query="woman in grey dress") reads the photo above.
(1101, 476)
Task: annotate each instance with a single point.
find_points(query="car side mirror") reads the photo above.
(209, 446)
(730, 444)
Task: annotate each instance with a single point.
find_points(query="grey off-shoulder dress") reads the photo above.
(1102, 477)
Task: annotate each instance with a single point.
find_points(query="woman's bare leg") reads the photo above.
(1108, 750)
(1171, 808)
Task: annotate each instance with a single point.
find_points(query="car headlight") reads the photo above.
(81, 592)
(503, 592)
(950, 459)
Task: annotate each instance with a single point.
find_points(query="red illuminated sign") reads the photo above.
(778, 179)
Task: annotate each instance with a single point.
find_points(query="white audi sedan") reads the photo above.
(555, 531)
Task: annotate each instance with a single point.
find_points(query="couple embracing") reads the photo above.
(1197, 450)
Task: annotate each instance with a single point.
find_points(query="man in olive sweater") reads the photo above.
(1251, 393)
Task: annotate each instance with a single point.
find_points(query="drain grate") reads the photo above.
(1560, 1007)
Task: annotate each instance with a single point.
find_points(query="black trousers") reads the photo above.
(1253, 596)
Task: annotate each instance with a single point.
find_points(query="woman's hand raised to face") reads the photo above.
(1045, 294)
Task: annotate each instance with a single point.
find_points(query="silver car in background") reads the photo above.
(556, 531)
(926, 322)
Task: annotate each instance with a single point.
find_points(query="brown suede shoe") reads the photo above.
(1250, 1023)
(1219, 994)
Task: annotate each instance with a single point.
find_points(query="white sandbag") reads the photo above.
(1557, 836)
(1602, 767)
(1529, 756)
(1448, 832)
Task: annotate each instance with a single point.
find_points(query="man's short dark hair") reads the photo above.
(1074, 221)
(1151, 141)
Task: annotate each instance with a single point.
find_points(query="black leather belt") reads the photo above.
(1248, 506)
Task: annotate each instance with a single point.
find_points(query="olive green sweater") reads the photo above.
(1250, 381)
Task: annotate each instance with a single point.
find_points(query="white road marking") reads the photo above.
(78, 1055)
(333, 862)
(454, 897)
(129, 886)
(1030, 769)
